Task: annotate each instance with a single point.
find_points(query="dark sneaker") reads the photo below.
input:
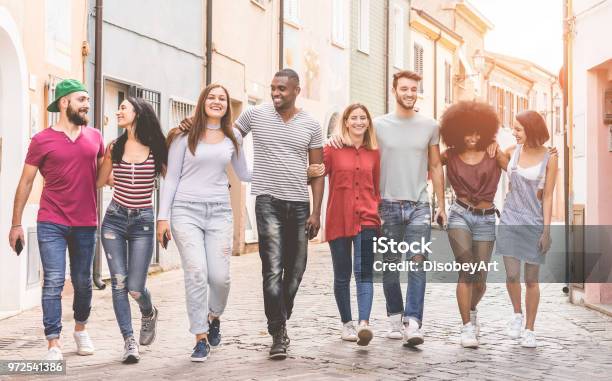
(214, 332)
(148, 328)
(200, 351)
(130, 352)
(286, 336)
(278, 351)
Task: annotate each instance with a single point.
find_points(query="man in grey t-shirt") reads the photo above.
(409, 148)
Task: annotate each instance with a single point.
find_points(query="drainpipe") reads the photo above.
(209, 25)
(567, 138)
(98, 99)
(387, 24)
(281, 35)
(435, 78)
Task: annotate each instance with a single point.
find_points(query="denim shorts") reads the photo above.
(481, 227)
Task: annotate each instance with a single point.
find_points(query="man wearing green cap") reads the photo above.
(67, 155)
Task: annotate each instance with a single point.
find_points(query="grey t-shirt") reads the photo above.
(404, 144)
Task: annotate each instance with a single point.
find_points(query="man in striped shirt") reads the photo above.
(285, 140)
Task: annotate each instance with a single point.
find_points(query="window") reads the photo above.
(179, 110)
(418, 64)
(557, 120)
(448, 87)
(151, 96)
(398, 37)
(338, 22)
(290, 12)
(364, 26)
(507, 109)
(52, 117)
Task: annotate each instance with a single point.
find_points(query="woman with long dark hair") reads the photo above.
(135, 159)
(195, 202)
(468, 128)
(524, 227)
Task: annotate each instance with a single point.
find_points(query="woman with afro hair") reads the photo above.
(468, 128)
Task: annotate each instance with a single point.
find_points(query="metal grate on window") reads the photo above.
(151, 96)
(52, 117)
(179, 110)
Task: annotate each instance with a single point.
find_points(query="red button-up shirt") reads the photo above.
(354, 190)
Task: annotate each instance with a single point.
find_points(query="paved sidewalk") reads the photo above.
(574, 342)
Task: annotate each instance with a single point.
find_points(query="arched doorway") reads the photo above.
(13, 145)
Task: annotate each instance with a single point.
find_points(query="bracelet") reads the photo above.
(15, 226)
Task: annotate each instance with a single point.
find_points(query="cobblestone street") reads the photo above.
(574, 342)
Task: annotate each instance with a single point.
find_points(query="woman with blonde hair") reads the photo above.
(352, 219)
(195, 206)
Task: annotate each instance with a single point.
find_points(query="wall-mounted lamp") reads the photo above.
(479, 65)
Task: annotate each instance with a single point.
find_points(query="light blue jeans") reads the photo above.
(204, 232)
(127, 238)
(406, 221)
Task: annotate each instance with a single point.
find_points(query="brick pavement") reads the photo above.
(574, 342)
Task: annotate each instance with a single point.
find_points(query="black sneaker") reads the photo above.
(286, 336)
(200, 351)
(214, 332)
(278, 351)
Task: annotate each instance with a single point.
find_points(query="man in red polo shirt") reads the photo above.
(67, 155)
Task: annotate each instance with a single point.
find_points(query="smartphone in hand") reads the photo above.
(18, 246)
(165, 242)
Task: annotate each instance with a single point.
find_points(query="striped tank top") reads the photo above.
(134, 183)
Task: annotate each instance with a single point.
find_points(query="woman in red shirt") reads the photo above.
(352, 216)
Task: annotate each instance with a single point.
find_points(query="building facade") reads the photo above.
(39, 42)
(590, 122)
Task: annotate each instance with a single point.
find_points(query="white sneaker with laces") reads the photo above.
(475, 322)
(364, 334)
(515, 325)
(529, 339)
(412, 333)
(54, 354)
(468, 336)
(396, 328)
(84, 345)
(348, 332)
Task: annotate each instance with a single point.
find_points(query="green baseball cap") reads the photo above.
(65, 87)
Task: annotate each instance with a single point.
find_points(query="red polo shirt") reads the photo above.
(69, 170)
(354, 190)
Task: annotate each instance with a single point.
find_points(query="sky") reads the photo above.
(528, 29)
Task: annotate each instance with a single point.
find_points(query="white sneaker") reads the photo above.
(396, 328)
(54, 354)
(475, 322)
(529, 339)
(130, 351)
(364, 334)
(468, 336)
(412, 333)
(515, 325)
(348, 332)
(83, 341)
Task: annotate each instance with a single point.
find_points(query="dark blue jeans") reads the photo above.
(340, 248)
(53, 239)
(127, 238)
(406, 221)
(283, 249)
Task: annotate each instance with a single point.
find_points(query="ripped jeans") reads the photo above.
(128, 238)
(203, 232)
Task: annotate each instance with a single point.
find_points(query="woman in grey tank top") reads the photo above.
(524, 228)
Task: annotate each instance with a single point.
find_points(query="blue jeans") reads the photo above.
(406, 221)
(364, 259)
(203, 232)
(53, 239)
(127, 238)
(283, 249)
